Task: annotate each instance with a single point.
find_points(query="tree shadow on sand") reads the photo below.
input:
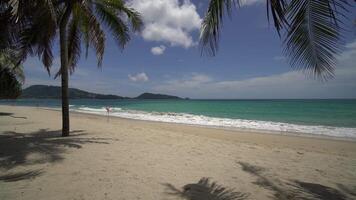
(40, 147)
(205, 190)
(5, 114)
(294, 189)
(19, 176)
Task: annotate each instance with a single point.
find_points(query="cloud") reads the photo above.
(158, 50)
(279, 58)
(251, 2)
(140, 77)
(170, 21)
(285, 85)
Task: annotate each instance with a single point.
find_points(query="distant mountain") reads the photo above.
(156, 96)
(54, 92)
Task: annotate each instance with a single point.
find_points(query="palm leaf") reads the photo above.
(8, 61)
(210, 29)
(33, 31)
(313, 39)
(118, 28)
(120, 8)
(74, 42)
(277, 9)
(94, 36)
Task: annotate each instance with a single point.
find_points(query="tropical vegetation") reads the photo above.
(32, 27)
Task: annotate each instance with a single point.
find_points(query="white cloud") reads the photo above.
(140, 77)
(158, 50)
(286, 85)
(170, 21)
(279, 58)
(250, 2)
(192, 82)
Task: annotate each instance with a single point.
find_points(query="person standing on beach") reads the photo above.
(108, 110)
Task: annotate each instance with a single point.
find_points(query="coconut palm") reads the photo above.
(76, 21)
(311, 30)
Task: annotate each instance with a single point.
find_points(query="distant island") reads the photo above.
(156, 96)
(54, 92)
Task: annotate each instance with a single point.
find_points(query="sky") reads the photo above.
(165, 58)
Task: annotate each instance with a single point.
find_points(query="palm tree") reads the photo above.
(311, 31)
(76, 21)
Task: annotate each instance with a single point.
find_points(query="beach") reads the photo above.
(116, 158)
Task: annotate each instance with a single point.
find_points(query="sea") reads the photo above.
(331, 117)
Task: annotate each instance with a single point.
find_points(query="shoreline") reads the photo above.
(233, 129)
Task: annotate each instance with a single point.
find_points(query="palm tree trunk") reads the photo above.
(64, 70)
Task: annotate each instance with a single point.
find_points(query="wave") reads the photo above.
(202, 120)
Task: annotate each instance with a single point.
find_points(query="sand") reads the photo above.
(131, 159)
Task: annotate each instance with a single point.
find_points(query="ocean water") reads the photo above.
(316, 117)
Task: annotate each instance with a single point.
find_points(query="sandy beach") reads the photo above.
(131, 159)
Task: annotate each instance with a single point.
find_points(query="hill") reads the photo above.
(156, 96)
(54, 92)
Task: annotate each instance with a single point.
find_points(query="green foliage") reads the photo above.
(31, 27)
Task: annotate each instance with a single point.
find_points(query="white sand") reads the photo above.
(129, 159)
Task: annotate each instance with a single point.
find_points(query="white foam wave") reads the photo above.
(91, 110)
(225, 122)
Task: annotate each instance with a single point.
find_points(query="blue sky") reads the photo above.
(165, 58)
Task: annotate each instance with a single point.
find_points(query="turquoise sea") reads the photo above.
(319, 117)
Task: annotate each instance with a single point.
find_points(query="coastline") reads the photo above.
(134, 159)
(211, 131)
(233, 129)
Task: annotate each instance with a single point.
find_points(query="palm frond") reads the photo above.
(119, 29)
(33, 31)
(37, 37)
(94, 36)
(277, 8)
(15, 4)
(74, 43)
(10, 87)
(48, 5)
(120, 8)
(45, 44)
(8, 61)
(210, 29)
(313, 39)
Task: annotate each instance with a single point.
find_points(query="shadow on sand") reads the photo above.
(295, 189)
(288, 190)
(12, 177)
(204, 189)
(43, 146)
(5, 114)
